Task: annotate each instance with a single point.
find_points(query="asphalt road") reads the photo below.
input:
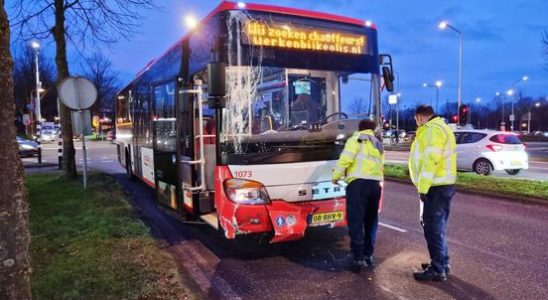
(497, 248)
(538, 170)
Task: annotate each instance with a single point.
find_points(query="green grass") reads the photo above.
(474, 182)
(90, 244)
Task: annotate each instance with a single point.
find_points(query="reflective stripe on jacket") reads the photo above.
(362, 157)
(433, 156)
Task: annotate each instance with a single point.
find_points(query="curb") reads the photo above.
(37, 165)
(522, 199)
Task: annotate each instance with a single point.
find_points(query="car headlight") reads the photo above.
(243, 191)
(27, 147)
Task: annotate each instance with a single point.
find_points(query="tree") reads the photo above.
(99, 70)
(14, 236)
(544, 40)
(81, 22)
(24, 83)
(358, 106)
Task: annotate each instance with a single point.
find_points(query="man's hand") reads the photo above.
(423, 197)
(335, 181)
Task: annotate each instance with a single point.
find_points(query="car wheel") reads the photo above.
(512, 171)
(483, 167)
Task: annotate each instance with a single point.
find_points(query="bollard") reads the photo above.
(39, 151)
(60, 153)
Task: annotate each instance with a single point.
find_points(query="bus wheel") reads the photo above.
(130, 175)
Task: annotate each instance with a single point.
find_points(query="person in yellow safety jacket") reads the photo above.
(361, 165)
(433, 171)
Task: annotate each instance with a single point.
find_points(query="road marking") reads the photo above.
(107, 161)
(392, 227)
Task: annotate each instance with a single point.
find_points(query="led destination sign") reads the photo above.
(283, 36)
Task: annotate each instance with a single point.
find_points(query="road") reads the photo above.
(498, 251)
(538, 170)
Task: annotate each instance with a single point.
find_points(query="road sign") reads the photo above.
(95, 121)
(512, 118)
(81, 121)
(77, 93)
(392, 99)
(26, 119)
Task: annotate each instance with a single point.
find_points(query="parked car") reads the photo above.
(483, 151)
(27, 147)
(48, 136)
(111, 135)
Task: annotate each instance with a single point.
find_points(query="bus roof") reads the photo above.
(227, 5)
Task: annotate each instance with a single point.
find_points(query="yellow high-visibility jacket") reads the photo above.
(433, 156)
(362, 157)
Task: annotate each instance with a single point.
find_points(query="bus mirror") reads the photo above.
(344, 79)
(216, 79)
(388, 79)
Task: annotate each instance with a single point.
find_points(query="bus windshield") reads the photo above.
(292, 115)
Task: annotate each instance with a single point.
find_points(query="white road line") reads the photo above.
(107, 161)
(392, 227)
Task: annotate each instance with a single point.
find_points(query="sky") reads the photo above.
(502, 42)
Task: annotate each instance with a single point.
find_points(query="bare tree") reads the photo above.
(358, 106)
(14, 235)
(544, 40)
(80, 22)
(100, 71)
(24, 83)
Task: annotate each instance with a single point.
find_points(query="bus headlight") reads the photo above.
(243, 191)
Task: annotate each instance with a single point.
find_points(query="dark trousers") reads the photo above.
(362, 206)
(434, 223)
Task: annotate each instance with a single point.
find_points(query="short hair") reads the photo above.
(424, 110)
(367, 124)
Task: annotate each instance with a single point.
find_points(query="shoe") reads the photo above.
(369, 261)
(356, 266)
(425, 266)
(429, 274)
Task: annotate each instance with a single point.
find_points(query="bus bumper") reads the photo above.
(288, 221)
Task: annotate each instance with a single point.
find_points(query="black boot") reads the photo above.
(429, 274)
(356, 266)
(425, 266)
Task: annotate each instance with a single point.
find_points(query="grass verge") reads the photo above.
(91, 245)
(473, 182)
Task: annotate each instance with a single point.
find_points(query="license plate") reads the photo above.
(516, 163)
(329, 217)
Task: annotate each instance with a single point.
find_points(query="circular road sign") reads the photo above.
(77, 92)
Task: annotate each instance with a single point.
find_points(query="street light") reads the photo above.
(478, 100)
(191, 22)
(437, 84)
(529, 117)
(512, 117)
(35, 45)
(443, 25)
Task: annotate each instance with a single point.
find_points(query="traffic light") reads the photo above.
(463, 115)
(454, 118)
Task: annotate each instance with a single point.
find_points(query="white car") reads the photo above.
(483, 151)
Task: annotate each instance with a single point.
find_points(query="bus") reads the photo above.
(240, 122)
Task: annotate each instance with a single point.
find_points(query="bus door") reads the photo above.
(196, 151)
(165, 144)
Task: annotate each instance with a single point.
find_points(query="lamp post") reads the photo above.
(502, 123)
(35, 45)
(437, 86)
(478, 100)
(443, 25)
(398, 107)
(510, 93)
(529, 119)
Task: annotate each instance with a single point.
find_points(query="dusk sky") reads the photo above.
(502, 41)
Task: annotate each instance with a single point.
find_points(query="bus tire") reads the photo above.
(129, 174)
